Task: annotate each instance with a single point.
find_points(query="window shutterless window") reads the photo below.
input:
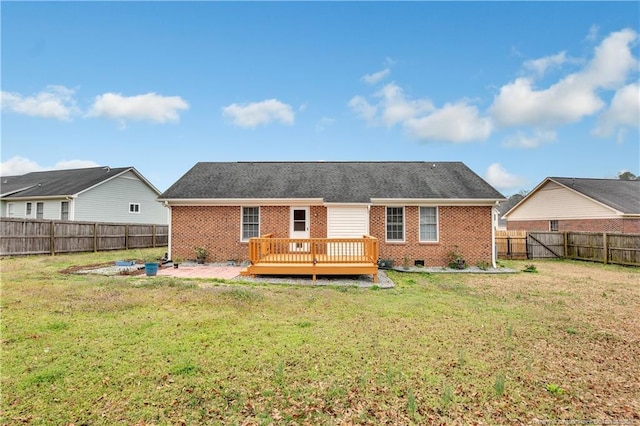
(134, 208)
(11, 209)
(553, 225)
(428, 224)
(64, 210)
(250, 222)
(28, 209)
(39, 210)
(395, 224)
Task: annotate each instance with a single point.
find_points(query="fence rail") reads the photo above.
(28, 236)
(621, 249)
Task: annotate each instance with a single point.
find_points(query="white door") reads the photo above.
(299, 227)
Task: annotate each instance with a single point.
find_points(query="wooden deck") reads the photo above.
(313, 256)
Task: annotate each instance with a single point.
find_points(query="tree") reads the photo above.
(627, 176)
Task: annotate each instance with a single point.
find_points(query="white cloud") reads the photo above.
(396, 108)
(53, 102)
(534, 140)
(498, 177)
(592, 35)
(20, 165)
(150, 106)
(393, 105)
(363, 109)
(259, 113)
(540, 66)
(459, 122)
(573, 97)
(376, 77)
(623, 111)
(324, 123)
(455, 122)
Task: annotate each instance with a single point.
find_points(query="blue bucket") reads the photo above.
(151, 268)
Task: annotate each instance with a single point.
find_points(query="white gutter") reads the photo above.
(242, 201)
(494, 224)
(436, 201)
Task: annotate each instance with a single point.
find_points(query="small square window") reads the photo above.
(134, 208)
(553, 225)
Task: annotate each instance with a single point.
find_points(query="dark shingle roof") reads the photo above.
(622, 195)
(354, 182)
(54, 183)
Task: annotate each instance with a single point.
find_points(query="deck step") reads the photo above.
(244, 272)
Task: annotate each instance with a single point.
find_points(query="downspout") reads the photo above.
(169, 254)
(494, 224)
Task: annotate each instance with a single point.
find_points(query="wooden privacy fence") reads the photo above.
(621, 249)
(27, 236)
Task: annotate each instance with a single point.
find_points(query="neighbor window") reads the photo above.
(39, 210)
(395, 223)
(11, 210)
(134, 208)
(429, 224)
(553, 225)
(250, 222)
(64, 210)
(28, 209)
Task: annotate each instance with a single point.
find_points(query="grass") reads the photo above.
(438, 348)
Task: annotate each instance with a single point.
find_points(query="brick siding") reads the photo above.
(218, 230)
(618, 225)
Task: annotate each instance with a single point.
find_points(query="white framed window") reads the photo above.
(553, 225)
(28, 209)
(40, 210)
(134, 207)
(64, 210)
(250, 223)
(11, 209)
(395, 224)
(428, 224)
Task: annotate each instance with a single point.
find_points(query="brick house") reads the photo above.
(579, 204)
(419, 211)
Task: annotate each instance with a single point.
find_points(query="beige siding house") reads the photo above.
(579, 204)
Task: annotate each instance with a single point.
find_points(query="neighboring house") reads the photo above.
(419, 211)
(97, 194)
(505, 206)
(579, 204)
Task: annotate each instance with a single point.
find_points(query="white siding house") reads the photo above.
(99, 194)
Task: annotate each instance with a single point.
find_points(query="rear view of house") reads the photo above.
(96, 194)
(419, 212)
(579, 204)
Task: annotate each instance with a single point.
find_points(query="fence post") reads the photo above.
(126, 237)
(605, 249)
(153, 231)
(52, 236)
(95, 237)
(565, 237)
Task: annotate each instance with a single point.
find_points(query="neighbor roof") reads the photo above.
(334, 182)
(63, 183)
(622, 195)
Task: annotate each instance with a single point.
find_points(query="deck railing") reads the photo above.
(267, 249)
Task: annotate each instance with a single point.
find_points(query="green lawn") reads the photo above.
(557, 344)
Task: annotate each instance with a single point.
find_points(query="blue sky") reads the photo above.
(517, 91)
